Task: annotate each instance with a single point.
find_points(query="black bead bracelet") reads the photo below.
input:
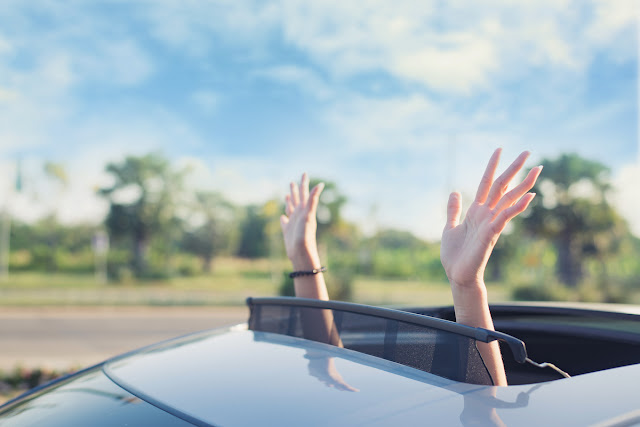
(295, 274)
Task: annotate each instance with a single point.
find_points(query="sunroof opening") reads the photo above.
(443, 348)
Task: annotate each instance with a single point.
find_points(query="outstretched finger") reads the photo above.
(500, 185)
(487, 178)
(288, 206)
(295, 194)
(520, 190)
(304, 189)
(314, 198)
(508, 214)
(454, 208)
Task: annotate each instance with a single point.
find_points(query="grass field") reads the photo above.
(232, 281)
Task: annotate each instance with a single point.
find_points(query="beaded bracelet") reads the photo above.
(307, 273)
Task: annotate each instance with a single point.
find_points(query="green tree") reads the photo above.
(210, 231)
(52, 246)
(572, 211)
(253, 238)
(501, 255)
(396, 239)
(143, 201)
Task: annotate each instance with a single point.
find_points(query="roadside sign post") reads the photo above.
(101, 250)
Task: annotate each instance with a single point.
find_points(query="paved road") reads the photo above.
(63, 338)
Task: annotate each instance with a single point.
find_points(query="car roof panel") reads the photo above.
(239, 377)
(215, 377)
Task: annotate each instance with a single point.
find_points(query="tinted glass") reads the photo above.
(439, 352)
(88, 400)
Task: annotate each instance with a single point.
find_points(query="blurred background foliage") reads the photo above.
(571, 244)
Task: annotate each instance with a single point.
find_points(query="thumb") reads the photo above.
(283, 221)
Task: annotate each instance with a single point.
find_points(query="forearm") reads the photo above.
(311, 286)
(318, 324)
(472, 309)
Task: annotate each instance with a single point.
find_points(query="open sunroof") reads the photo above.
(443, 348)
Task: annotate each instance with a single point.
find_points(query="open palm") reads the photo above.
(299, 225)
(467, 246)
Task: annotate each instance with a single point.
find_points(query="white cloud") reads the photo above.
(57, 72)
(31, 114)
(242, 179)
(367, 124)
(194, 26)
(5, 46)
(7, 95)
(611, 18)
(206, 100)
(445, 46)
(121, 62)
(72, 43)
(297, 76)
(451, 47)
(38, 88)
(459, 69)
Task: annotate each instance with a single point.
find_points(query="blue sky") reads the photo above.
(398, 102)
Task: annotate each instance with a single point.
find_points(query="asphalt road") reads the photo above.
(63, 338)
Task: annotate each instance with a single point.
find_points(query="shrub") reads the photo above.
(547, 291)
(286, 288)
(21, 379)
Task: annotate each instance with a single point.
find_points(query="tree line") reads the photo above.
(570, 238)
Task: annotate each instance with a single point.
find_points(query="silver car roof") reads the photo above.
(239, 377)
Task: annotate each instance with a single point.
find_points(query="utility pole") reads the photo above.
(5, 233)
(5, 238)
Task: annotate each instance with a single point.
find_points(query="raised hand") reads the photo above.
(467, 246)
(299, 225)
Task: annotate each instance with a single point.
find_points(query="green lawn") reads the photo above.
(198, 291)
(230, 284)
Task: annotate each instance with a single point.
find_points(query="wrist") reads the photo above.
(475, 285)
(305, 259)
(471, 304)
